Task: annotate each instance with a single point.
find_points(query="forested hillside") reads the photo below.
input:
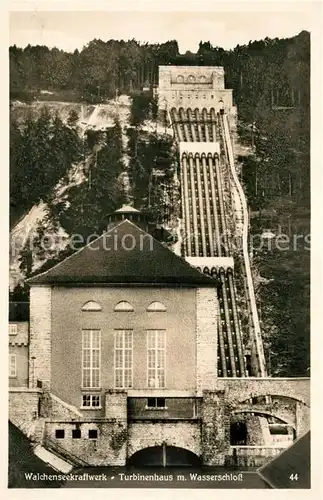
(271, 87)
(261, 72)
(265, 76)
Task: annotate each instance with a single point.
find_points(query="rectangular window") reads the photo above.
(156, 403)
(13, 329)
(60, 433)
(156, 358)
(91, 358)
(91, 401)
(76, 433)
(123, 359)
(12, 365)
(93, 434)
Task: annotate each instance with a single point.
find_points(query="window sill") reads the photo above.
(89, 390)
(90, 407)
(153, 408)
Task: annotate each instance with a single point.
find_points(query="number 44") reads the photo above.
(293, 477)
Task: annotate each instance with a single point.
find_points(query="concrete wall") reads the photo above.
(215, 428)
(206, 338)
(108, 449)
(195, 98)
(175, 408)
(182, 76)
(18, 345)
(251, 456)
(258, 433)
(21, 338)
(186, 86)
(116, 405)
(199, 148)
(288, 417)
(40, 335)
(23, 409)
(21, 378)
(53, 407)
(179, 321)
(185, 435)
(303, 419)
(241, 389)
(255, 435)
(210, 262)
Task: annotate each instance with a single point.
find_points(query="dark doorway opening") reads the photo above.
(164, 456)
(238, 434)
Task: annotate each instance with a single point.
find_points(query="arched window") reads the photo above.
(156, 307)
(91, 305)
(191, 79)
(180, 79)
(124, 306)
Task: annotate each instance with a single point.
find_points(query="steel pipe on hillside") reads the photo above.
(205, 120)
(213, 121)
(177, 124)
(181, 126)
(192, 124)
(199, 126)
(207, 204)
(257, 333)
(236, 322)
(201, 206)
(222, 211)
(215, 207)
(194, 206)
(226, 164)
(228, 323)
(184, 211)
(221, 347)
(183, 117)
(187, 208)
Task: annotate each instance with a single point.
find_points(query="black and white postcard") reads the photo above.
(160, 241)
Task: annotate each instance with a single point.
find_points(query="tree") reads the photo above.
(140, 109)
(86, 205)
(26, 259)
(72, 118)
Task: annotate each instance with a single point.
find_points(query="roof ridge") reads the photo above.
(74, 253)
(164, 265)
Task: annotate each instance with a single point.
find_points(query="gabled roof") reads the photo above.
(124, 255)
(126, 209)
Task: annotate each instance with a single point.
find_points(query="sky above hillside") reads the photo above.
(69, 30)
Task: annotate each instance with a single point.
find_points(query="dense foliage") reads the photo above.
(41, 153)
(83, 210)
(151, 171)
(279, 167)
(285, 311)
(260, 73)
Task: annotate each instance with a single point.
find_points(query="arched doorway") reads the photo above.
(164, 456)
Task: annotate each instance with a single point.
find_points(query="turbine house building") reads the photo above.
(138, 355)
(123, 338)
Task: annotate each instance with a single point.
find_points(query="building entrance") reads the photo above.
(164, 456)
